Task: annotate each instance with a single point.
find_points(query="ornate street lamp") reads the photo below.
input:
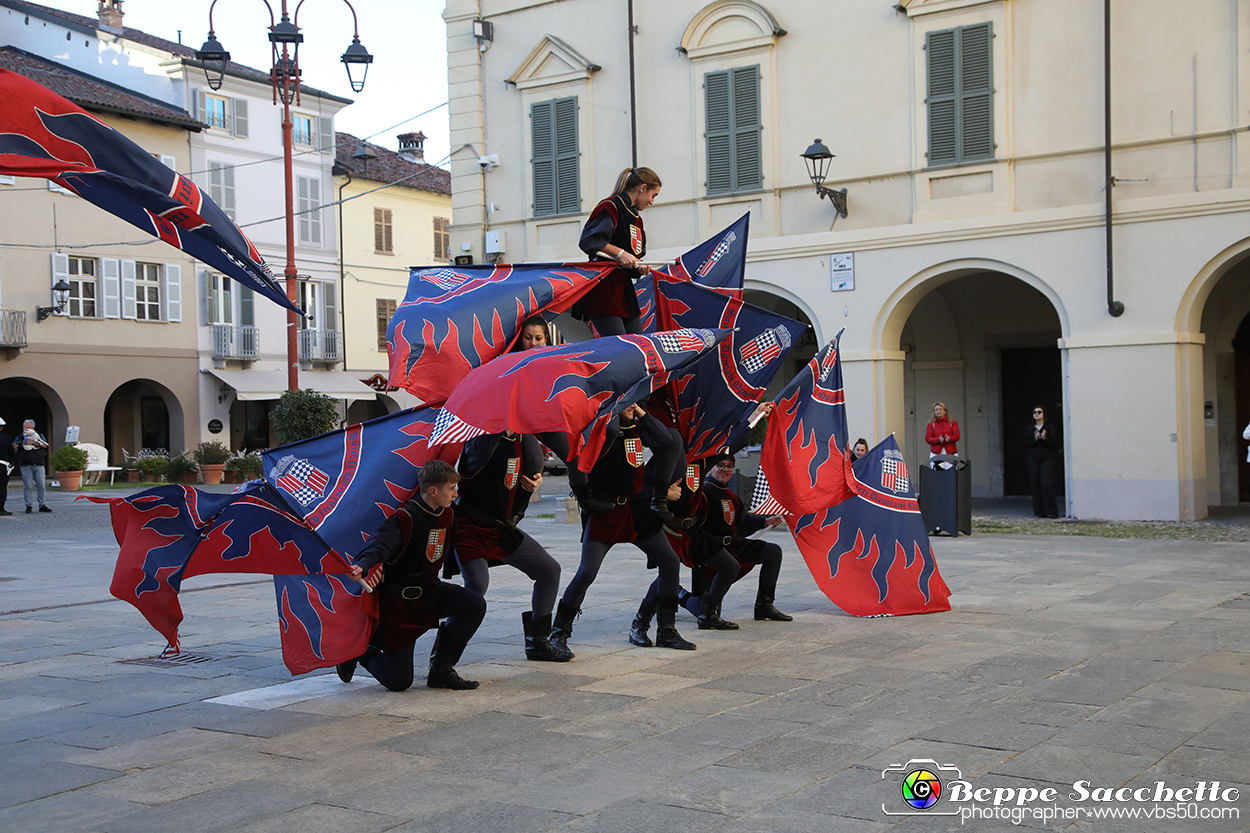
(60, 298)
(817, 157)
(285, 37)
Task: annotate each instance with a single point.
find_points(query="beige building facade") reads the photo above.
(394, 210)
(972, 265)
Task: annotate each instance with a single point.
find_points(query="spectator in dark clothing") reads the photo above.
(32, 452)
(8, 462)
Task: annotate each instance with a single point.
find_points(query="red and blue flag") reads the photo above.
(168, 534)
(571, 388)
(804, 452)
(456, 318)
(714, 397)
(45, 135)
(718, 262)
(870, 554)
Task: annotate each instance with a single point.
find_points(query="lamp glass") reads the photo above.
(357, 59)
(214, 59)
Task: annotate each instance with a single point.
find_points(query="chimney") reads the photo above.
(412, 146)
(110, 14)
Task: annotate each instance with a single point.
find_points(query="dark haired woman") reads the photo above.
(615, 230)
(1043, 446)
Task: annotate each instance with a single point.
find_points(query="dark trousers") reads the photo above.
(530, 558)
(4, 487)
(462, 608)
(658, 550)
(765, 554)
(1043, 472)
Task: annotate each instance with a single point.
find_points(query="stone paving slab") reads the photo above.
(1119, 662)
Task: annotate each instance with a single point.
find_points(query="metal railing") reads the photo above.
(12, 328)
(231, 342)
(320, 346)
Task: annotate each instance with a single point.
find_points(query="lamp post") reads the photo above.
(817, 157)
(60, 297)
(285, 38)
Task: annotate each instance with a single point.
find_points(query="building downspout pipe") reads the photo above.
(633, 99)
(1114, 307)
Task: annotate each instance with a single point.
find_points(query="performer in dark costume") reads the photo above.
(614, 515)
(615, 229)
(412, 545)
(728, 524)
(487, 533)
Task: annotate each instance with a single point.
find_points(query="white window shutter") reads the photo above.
(238, 116)
(325, 134)
(206, 298)
(201, 107)
(169, 162)
(128, 290)
(110, 275)
(8, 180)
(60, 270)
(173, 292)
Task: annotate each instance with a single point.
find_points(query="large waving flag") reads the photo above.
(714, 397)
(456, 318)
(346, 483)
(45, 135)
(325, 620)
(804, 454)
(870, 554)
(571, 388)
(168, 534)
(719, 262)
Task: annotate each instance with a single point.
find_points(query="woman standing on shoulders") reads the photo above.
(1043, 446)
(615, 229)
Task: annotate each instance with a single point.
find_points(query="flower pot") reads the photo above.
(133, 475)
(189, 477)
(233, 477)
(71, 481)
(153, 477)
(211, 472)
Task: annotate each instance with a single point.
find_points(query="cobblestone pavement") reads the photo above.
(1122, 663)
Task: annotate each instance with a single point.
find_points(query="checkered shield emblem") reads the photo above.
(894, 474)
(759, 351)
(300, 479)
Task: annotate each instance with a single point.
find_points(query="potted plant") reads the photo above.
(212, 457)
(131, 472)
(153, 467)
(301, 414)
(181, 468)
(69, 462)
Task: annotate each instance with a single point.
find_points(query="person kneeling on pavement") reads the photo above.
(411, 546)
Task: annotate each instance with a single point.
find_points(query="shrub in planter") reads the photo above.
(152, 467)
(212, 457)
(245, 466)
(301, 414)
(181, 467)
(69, 462)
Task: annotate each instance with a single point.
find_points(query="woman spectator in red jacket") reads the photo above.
(942, 432)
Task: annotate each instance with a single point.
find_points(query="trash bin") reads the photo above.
(946, 496)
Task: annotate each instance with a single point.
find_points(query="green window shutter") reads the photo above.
(748, 168)
(543, 134)
(719, 134)
(976, 79)
(961, 94)
(943, 124)
(568, 187)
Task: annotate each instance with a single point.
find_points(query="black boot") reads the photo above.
(537, 644)
(764, 605)
(562, 627)
(666, 635)
(589, 504)
(659, 505)
(642, 623)
(346, 670)
(443, 659)
(709, 617)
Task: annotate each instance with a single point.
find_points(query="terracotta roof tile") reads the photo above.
(389, 166)
(92, 93)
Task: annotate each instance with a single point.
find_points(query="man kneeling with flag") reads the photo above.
(411, 546)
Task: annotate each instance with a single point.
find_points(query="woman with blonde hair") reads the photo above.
(942, 432)
(615, 231)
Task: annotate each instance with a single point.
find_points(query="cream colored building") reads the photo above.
(972, 266)
(394, 210)
(229, 142)
(119, 360)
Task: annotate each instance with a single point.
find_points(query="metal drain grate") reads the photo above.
(171, 662)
